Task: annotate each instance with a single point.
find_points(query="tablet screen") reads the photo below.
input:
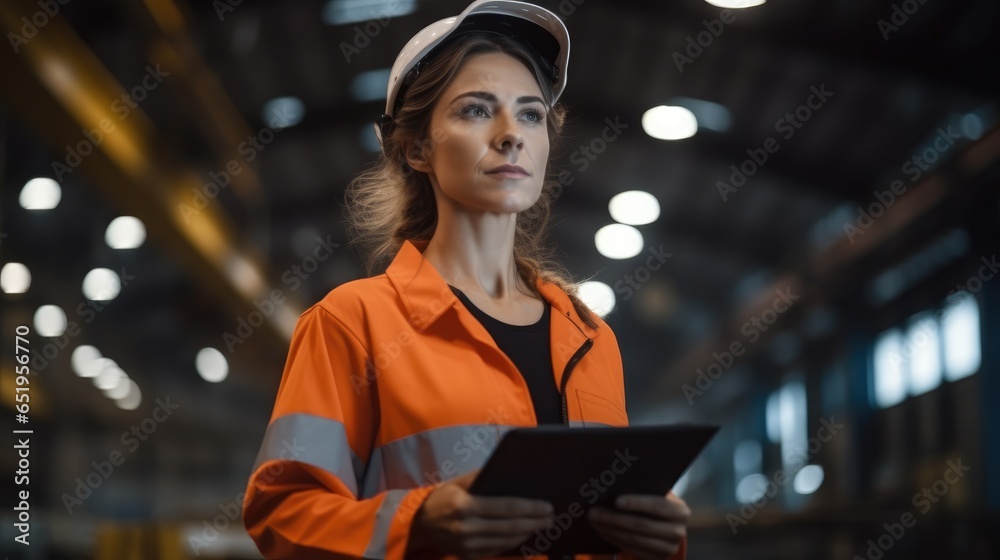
(577, 468)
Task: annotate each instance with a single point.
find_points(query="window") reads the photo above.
(786, 423)
(794, 441)
(890, 376)
(914, 359)
(960, 324)
(786, 419)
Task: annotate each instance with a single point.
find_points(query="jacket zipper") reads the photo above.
(562, 393)
(569, 369)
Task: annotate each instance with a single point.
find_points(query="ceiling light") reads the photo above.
(14, 278)
(669, 122)
(120, 389)
(109, 376)
(736, 4)
(125, 232)
(86, 361)
(50, 320)
(634, 208)
(618, 241)
(283, 112)
(598, 296)
(212, 365)
(339, 12)
(40, 193)
(708, 114)
(132, 399)
(808, 479)
(101, 284)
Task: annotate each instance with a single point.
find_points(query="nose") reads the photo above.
(509, 135)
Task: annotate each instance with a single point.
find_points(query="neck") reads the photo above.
(474, 251)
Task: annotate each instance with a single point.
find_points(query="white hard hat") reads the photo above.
(533, 25)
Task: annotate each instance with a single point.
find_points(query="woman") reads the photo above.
(398, 386)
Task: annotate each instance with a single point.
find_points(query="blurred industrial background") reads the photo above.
(805, 254)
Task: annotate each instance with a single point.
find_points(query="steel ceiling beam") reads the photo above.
(60, 90)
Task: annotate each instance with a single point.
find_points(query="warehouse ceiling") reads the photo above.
(839, 97)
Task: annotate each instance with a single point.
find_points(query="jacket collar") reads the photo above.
(426, 295)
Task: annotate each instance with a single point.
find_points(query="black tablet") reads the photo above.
(577, 468)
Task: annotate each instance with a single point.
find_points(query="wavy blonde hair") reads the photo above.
(390, 202)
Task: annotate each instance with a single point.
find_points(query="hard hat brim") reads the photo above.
(532, 25)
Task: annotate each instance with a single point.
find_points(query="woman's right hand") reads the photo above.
(452, 521)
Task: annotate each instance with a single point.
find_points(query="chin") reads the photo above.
(515, 204)
(488, 198)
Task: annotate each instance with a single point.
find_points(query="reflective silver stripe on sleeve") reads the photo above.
(383, 519)
(374, 479)
(313, 440)
(431, 456)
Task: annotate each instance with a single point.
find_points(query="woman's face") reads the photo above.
(488, 143)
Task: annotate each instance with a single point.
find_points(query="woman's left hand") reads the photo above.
(653, 532)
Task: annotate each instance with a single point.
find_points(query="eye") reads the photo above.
(534, 115)
(475, 111)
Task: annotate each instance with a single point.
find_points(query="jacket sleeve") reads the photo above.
(302, 499)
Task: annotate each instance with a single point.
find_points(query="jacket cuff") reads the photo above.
(402, 525)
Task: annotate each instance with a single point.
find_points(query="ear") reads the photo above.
(416, 158)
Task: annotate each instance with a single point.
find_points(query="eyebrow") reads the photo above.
(486, 96)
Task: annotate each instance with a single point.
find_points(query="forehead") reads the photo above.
(493, 72)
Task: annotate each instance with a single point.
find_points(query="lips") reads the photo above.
(508, 170)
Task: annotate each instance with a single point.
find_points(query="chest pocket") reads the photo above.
(598, 410)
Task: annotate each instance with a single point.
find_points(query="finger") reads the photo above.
(637, 523)
(642, 546)
(509, 507)
(613, 538)
(670, 508)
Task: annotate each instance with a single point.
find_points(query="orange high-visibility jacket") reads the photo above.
(392, 387)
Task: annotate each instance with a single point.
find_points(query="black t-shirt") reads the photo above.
(528, 347)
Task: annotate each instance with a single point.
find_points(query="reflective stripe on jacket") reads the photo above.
(392, 387)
